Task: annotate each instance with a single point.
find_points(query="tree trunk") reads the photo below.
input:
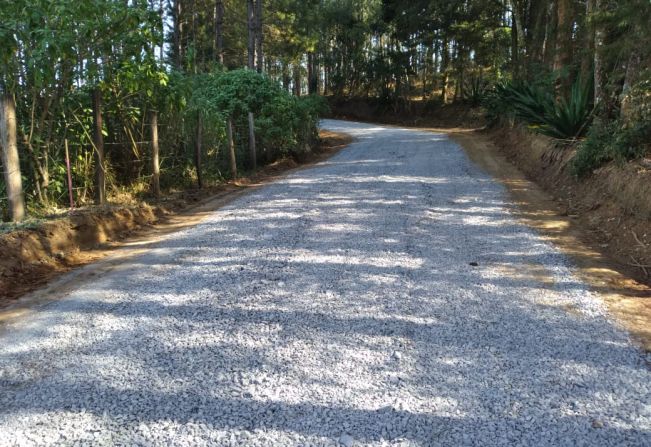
(192, 34)
(177, 34)
(219, 30)
(155, 163)
(520, 42)
(297, 79)
(587, 59)
(445, 61)
(549, 45)
(197, 150)
(231, 148)
(162, 23)
(326, 80)
(252, 150)
(10, 159)
(436, 71)
(535, 49)
(252, 31)
(259, 36)
(632, 74)
(98, 148)
(515, 47)
(460, 87)
(455, 61)
(287, 79)
(598, 58)
(563, 56)
(428, 70)
(312, 74)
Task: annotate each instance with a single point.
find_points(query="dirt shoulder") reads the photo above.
(593, 226)
(32, 258)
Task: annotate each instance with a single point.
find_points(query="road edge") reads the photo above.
(116, 254)
(626, 299)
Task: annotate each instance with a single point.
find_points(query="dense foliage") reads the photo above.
(56, 55)
(566, 68)
(284, 124)
(564, 117)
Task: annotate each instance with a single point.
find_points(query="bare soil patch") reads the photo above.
(602, 223)
(33, 257)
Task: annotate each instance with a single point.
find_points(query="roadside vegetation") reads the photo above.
(105, 99)
(102, 103)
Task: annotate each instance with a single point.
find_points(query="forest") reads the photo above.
(338, 223)
(101, 97)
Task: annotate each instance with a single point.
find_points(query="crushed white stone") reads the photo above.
(275, 322)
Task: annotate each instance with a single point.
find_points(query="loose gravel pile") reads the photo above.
(385, 297)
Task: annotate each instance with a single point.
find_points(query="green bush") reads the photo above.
(284, 124)
(611, 142)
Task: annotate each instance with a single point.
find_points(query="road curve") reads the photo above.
(384, 297)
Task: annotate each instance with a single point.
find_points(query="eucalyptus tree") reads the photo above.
(8, 134)
(10, 158)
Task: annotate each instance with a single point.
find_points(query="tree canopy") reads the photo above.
(84, 75)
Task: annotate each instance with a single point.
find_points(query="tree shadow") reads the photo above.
(339, 300)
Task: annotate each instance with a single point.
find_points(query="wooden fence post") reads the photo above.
(69, 172)
(98, 148)
(155, 163)
(10, 159)
(252, 150)
(231, 148)
(197, 150)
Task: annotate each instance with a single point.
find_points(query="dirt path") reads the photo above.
(388, 296)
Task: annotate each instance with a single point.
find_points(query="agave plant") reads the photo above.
(475, 90)
(569, 117)
(534, 104)
(530, 102)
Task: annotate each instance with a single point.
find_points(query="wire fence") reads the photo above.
(126, 169)
(129, 163)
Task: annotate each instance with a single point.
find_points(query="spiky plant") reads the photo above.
(534, 104)
(570, 116)
(475, 91)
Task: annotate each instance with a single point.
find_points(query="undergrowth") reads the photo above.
(612, 141)
(534, 103)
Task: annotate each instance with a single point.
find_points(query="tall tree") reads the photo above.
(251, 21)
(10, 159)
(259, 35)
(598, 54)
(177, 33)
(219, 30)
(563, 57)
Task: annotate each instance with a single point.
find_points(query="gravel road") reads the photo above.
(337, 306)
